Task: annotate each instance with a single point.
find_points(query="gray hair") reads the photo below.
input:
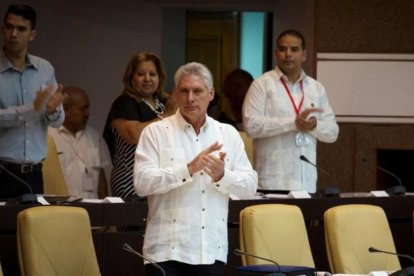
(197, 69)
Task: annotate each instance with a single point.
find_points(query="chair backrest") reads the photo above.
(349, 231)
(56, 240)
(248, 146)
(276, 232)
(53, 180)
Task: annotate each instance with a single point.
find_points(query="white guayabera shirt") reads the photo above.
(187, 215)
(82, 157)
(269, 118)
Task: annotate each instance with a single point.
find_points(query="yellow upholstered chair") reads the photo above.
(349, 231)
(276, 232)
(53, 180)
(56, 240)
(248, 146)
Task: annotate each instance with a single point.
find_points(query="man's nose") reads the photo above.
(288, 52)
(14, 32)
(190, 97)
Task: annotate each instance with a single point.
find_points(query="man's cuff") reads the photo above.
(223, 183)
(183, 176)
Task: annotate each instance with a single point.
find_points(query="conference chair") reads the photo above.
(56, 240)
(349, 231)
(248, 146)
(53, 180)
(276, 232)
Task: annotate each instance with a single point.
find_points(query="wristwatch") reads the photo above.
(53, 116)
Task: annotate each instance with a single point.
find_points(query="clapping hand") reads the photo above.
(210, 164)
(47, 98)
(303, 123)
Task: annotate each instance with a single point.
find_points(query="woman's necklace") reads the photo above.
(159, 107)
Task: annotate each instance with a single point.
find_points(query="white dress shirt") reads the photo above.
(269, 118)
(187, 215)
(82, 157)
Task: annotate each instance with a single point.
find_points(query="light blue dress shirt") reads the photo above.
(23, 131)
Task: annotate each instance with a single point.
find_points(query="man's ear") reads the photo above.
(212, 91)
(305, 55)
(32, 35)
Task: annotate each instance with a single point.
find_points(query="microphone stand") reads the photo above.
(25, 198)
(241, 253)
(375, 250)
(394, 190)
(329, 191)
(128, 248)
(402, 272)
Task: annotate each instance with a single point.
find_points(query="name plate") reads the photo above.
(298, 194)
(112, 199)
(378, 273)
(378, 194)
(42, 200)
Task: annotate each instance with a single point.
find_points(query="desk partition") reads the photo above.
(113, 260)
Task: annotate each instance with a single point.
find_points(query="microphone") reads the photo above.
(238, 252)
(303, 158)
(402, 272)
(128, 248)
(330, 191)
(25, 198)
(375, 250)
(395, 190)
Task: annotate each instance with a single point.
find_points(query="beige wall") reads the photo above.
(89, 42)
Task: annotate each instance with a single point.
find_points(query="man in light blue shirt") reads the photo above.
(30, 101)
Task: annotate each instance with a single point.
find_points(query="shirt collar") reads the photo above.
(280, 74)
(32, 62)
(63, 130)
(5, 63)
(184, 125)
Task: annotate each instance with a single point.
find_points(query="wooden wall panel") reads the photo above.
(357, 141)
(373, 26)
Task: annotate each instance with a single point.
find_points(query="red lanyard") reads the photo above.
(297, 108)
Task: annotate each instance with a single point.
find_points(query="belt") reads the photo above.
(22, 168)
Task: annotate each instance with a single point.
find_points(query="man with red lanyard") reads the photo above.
(286, 112)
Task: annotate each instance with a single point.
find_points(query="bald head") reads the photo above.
(76, 106)
(73, 95)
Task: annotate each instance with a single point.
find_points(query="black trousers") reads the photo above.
(173, 268)
(11, 187)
